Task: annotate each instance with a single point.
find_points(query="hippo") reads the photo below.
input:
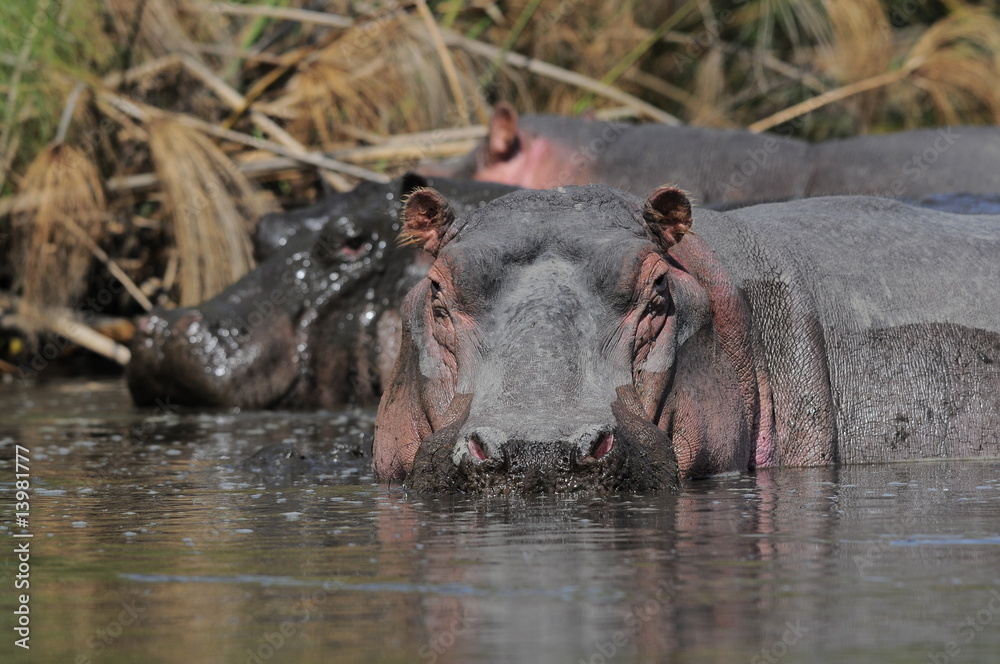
(581, 338)
(315, 325)
(720, 168)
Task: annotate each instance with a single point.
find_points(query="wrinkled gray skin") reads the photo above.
(315, 325)
(720, 168)
(841, 329)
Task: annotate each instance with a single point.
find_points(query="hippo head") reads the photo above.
(284, 334)
(520, 155)
(558, 343)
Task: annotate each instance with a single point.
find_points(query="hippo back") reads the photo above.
(879, 323)
(909, 164)
(712, 165)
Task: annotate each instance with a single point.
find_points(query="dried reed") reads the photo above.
(957, 70)
(62, 186)
(212, 207)
(383, 75)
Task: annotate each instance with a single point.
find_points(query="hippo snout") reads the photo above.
(478, 465)
(491, 448)
(186, 321)
(628, 454)
(162, 322)
(212, 356)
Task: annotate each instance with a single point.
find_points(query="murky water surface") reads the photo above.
(152, 542)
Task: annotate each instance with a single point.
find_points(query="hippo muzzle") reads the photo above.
(202, 357)
(628, 454)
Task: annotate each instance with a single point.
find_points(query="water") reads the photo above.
(152, 543)
(963, 203)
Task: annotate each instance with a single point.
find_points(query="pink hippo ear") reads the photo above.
(667, 214)
(502, 141)
(427, 218)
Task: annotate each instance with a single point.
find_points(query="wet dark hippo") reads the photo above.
(315, 325)
(277, 229)
(582, 338)
(723, 167)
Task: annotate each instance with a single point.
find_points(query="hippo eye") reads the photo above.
(354, 248)
(437, 301)
(660, 299)
(660, 285)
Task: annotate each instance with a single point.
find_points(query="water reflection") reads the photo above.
(153, 541)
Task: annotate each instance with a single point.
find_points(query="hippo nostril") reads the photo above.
(481, 445)
(590, 444)
(187, 322)
(602, 445)
(476, 448)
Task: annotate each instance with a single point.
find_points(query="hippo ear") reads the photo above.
(502, 141)
(427, 217)
(667, 214)
(411, 182)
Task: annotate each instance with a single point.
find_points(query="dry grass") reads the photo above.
(587, 37)
(164, 27)
(957, 71)
(61, 198)
(948, 74)
(861, 47)
(212, 208)
(709, 90)
(382, 76)
(953, 67)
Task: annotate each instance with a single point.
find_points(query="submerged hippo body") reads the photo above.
(315, 325)
(580, 338)
(726, 167)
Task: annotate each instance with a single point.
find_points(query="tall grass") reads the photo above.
(211, 205)
(66, 208)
